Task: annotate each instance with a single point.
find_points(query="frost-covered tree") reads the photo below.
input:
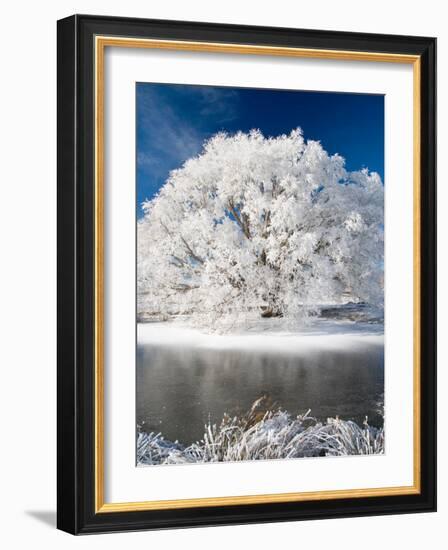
(265, 226)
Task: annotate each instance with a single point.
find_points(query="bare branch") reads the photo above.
(242, 222)
(190, 251)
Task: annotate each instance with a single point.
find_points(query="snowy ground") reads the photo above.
(265, 335)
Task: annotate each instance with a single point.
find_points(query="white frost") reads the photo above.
(262, 336)
(267, 225)
(276, 435)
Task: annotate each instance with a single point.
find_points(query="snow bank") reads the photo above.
(265, 335)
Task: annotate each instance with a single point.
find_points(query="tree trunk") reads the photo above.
(270, 312)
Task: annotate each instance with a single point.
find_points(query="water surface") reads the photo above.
(181, 388)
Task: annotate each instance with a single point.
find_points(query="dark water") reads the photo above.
(180, 389)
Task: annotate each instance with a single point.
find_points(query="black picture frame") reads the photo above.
(76, 285)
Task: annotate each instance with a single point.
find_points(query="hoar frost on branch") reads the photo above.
(261, 226)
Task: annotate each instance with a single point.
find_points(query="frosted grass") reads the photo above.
(264, 436)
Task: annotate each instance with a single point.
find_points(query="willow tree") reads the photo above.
(261, 226)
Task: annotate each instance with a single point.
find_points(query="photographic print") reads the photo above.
(242, 224)
(260, 243)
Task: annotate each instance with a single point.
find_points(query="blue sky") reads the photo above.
(174, 120)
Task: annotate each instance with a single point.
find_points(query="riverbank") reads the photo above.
(274, 335)
(272, 435)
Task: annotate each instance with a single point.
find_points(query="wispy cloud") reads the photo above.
(173, 123)
(147, 160)
(164, 135)
(219, 103)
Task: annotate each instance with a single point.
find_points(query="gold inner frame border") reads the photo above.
(100, 44)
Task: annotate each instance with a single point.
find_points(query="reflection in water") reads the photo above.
(179, 389)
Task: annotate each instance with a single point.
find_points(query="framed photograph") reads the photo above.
(246, 274)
